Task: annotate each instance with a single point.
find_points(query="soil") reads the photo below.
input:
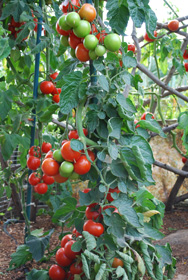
(174, 221)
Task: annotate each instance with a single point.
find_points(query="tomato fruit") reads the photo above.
(184, 160)
(112, 42)
(54, 75)
(68, 154)
(86, 190)
(87, 12)
(49, 154)
(100, 50)
(143, 117)
(148, 39)
(57, 155)
(35, 151)
(73, 19)
(60, 179)
(74, 40)
(91, 155)
(92, 55)
(33, 163)
(109, 197)
(75, 232)
(90, 42)
(93, 211)
(49, 180)
(93, 228)
(66, 169)
(70, 5)
(64, 41)
(185, 54)
(135, 122)
(82, 53)
(72, 53)
(64, 141)
(56, 272)
(50, 167)
(63, 23)
(131, 47)
(46, 147)
(173, 25)
(83, 29)
(46, 87)
(186, 66)
(101, 35)
(76, 268)
(69, 276)
(73, 134)
(74, 176)
(60, 30)
(65, 239)
(61, 258)
(68, 252)
(41, 188)
(56, 98)
(117, 262)
(82, 165)
(34, 179)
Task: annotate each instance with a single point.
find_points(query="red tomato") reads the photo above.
(56, 272)
(93, 211)
(185, 54)
(46, 87)
(109, 197)
(143, 117)
(48, 179)
(69, 276)
(65, 239)
(110, 206)
(46, 147)
(148, 39)
(33, 163)
(56, 98)
(68, 252)
(93, 228)
(68, 6)
(135, 122)
(117, 262)
(54, 91)
(69, 154)
(184, 160)
(73, 134)
(186, 66)
(74, 41)
(100, 36)
(86, 190)
(59, 90)
(60, 179)
(82, 165)
(34, 179)
(75, 232)
(61, 31)
(91, 155)
(131, 47)
(82, 53)
(41, 188)
(50, 167)
(35, 151)
(76, 268)
(87, 12)
(61, 258)
(49, 154)
(64, 141)
(54, 75)
(173, 25)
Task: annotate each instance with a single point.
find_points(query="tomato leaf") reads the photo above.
(103, 82)
(5, 48)
(85, 266)
(68, 206)
(76, 145)
(92, 256)
(113, 150)
(100, 273)
(128, 60)
(115, 223)
(20, 257)
(120, 271)
(90, 240)
(147, 258)
(76, 246)
(92, 120)
(118, 169)
(47, 114)
(114, 127)
(37, 274)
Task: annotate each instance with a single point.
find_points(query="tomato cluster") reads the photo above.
(81, 34)
(49, 87)
(15, 27)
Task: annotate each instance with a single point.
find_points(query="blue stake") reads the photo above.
(35, 94)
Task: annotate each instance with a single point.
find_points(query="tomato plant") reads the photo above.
(70, 5)
(35, 151)
(82, 29)
(74, 41)
(47, 179)
(117, 262)
(66, 168)
(93, 211)
(112, 42)
(115, 190)
(65, 239)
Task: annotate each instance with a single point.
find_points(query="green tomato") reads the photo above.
(90, 42)
(73, 19)
(72, 53)
(100, 50)
(97, 267)
(83, 29)
(74, 176)
(63, 24)
(51, 126)
(92, 55)
(57, 155)
(66, 169)
(112, 42)
(64, 41)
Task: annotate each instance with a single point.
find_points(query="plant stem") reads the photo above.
(170, 8)
(174, 143)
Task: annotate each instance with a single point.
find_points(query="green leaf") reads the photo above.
(147, 259)
(4, 48)
(152, 232)
(120, 271)
(20, 257)
(85, 266)
(47, 115)
(118, 18)
(165, 254)
(14, 8)
(92, 256)
(90, 240)
(140, 161)
(67, 67)
(101, 155)
(37, 274)
(76, 145)
(103, 82)
(116, 225)
(76, 246)
(128, 60)
(5, 103)
(68, 206)
(41, 46)
(151, 22)
(25, 30)
(118, 169)
(98, 64)
(92, 120)
(101, 272)
(37, 246)
(113, 150)
(114, 127)
(136, 12)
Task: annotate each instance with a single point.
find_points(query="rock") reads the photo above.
(181, 277)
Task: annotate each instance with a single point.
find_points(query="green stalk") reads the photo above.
(171, 8)
(174, 143)
(96, 4)
(47, 48)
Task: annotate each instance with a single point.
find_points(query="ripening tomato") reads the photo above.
(83, 29)
(87, 12)
(46, 147)
(74, 41)
(33, 163)
(35, 151)
(185, 54)
(82, 53)
(61, 258)
(186, 66)
(82, 165)
(46, 87)
(34, 179)
(49, 180)
(61, 31)
(93, 228)
(93, 211)
(148, 39)
(49, 154)
(112, 42)
(67, 5)
(109, 197)
(69, 154)
(143, 117)
(41, 188)
(54, 75)
(75, 232)
(173, 25)
(184, 160)
(56, 98)
(50, 167)
(68, 251)
(131, 47)
(56, 272)
(65, 239)
(76, 268)
(60, 179)
(91, 155)
(117, 262)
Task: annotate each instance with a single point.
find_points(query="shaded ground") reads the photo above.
(173, 222)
